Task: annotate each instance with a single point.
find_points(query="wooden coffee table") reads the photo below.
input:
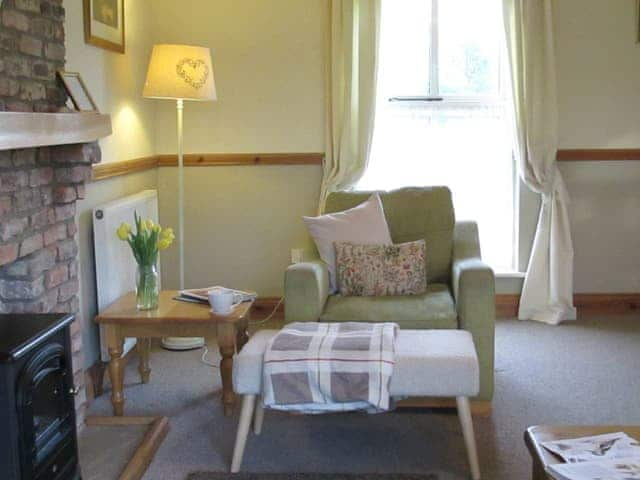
(541, 457)
(172, 318)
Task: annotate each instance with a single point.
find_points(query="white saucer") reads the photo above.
(221, 313)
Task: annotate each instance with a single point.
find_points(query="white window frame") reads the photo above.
(433, 88)
(434, 95)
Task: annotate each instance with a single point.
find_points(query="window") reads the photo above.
(440, 115)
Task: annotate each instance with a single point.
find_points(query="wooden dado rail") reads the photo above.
(114, 169)
(598, 154)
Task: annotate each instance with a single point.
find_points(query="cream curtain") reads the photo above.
(353, 34)
(547, 293)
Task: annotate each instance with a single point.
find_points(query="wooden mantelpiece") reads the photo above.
(26, 129)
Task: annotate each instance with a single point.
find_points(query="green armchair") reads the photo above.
(460, 287)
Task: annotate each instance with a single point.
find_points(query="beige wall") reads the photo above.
(268, 59)
(115, 82)
(240, 224)
(269, 62)
(598, 63)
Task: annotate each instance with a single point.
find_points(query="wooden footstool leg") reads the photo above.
(259, 418)
(248, 404)
(464, 413)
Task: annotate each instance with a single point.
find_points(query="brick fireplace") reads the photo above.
(39, 187)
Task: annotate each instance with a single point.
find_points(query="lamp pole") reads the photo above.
(179, 109)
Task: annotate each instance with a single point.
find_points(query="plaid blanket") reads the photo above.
(314, 367)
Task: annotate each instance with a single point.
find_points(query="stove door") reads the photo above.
(46, 412)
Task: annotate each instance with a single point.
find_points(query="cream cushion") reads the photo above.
(364, 224)
(434, 363)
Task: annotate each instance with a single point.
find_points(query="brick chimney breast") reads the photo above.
(39, 187)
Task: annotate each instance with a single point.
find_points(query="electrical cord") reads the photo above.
(205, 351)
(204, 357)
(270, 316)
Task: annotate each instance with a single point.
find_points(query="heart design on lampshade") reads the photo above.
(193, 71)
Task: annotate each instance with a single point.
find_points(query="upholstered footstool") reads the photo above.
(429, 363)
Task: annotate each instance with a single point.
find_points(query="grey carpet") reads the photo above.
(309, 476)
(579, 373)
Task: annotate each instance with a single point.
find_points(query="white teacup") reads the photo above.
(222, 301)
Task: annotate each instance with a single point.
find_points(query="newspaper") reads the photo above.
(612, 469)
(597, 447)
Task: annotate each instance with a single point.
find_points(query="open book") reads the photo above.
(199, 295)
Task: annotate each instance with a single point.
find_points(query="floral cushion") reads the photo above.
(381, 270)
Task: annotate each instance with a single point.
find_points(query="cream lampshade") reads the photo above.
(180, 72)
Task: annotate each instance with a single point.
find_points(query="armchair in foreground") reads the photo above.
(460, 287)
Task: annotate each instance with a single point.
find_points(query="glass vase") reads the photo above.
(147, 287)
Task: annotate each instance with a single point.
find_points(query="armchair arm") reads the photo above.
(306, 288)
(474, 292)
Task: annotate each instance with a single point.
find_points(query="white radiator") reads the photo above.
(115, 265)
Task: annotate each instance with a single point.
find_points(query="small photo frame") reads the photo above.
(77, 91)
(104, 24)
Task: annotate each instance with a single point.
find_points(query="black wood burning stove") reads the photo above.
(37, 413)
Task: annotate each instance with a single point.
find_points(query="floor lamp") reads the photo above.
(180, 72)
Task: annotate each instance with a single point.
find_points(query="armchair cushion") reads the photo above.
(364, 223)
(412, 214)
(433, 309)
(380, 270)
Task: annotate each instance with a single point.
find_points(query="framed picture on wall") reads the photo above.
(104, 24)
(77, 91)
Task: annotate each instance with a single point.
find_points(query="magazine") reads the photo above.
(613, 469)
(597, 447)
(201, 294)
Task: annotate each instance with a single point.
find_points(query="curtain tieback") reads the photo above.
(556, 188)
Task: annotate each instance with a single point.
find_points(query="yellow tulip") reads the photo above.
(164, 243)
(123, 231)
(167, 233)
(149, 225)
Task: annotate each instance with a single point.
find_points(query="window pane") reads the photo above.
(469, 35)
(465, 148)
(404, 47)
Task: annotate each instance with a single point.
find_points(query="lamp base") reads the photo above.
(182, 343)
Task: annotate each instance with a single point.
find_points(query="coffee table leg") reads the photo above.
(116, 369)
(143, 346)
(227, 345)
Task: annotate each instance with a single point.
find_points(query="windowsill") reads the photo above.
(509, 274)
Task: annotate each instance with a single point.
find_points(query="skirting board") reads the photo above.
(507, 304)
